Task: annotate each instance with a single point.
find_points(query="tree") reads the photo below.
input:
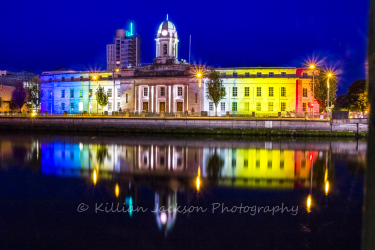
(356, 98)
(19, 95)
(320, 89)
(35, 94)
(101, 97)
(215, 89)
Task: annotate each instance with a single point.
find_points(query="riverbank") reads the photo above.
(225, 126)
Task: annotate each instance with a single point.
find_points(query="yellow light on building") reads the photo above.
(117, 190)
(308, 203)
(117, 70)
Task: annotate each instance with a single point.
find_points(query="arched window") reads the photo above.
(165, 49)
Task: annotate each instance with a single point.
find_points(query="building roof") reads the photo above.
(167, 25)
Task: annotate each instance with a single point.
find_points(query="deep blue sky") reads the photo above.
(41, 35)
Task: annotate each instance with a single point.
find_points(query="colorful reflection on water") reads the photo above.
(189, 167)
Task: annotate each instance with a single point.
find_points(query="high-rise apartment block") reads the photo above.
(125, 52)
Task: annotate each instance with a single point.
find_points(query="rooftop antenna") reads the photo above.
(189, 49)
(167, 16)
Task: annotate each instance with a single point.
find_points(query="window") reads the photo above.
(304, 106)
(283, 106)
(118, 92)
(271, 74)
(50, 80)
(235, 74)
(118, 76)
(110, 77)
(179, 90)
(63, 93)
(71, 93)
(211, 106)
(162, 91)
(165, 49)
(283, 74)
(247, 91)
(223, 75)
(63, 79)
(109, 106)
(71, 106)
(247, 74)
(63, 106)
(259, 91)
(196, 97)
(109, 93)
(270, 91)
(80, 106)
(222, 105)
(72, 78)
(234, 106)
(81, 78)
(305, 75)
(234, 91)
(259, 74)
(270, 106)
(247, 106)
(50, 94)
(118, 105)
(259, 106)
(90, 92)
(81, 93)
(126, 98)
(245, 163)
(49, 106)
(257, 155)
(145, 91)
(283, 91)
(304, 92)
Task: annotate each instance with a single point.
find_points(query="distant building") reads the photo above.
(168, 85)
(125, 52)
(8, 80)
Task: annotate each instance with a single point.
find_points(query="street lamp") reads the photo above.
(328, 76)
(95, 78)
(312, 66)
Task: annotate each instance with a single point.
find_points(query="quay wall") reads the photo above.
(354, 127)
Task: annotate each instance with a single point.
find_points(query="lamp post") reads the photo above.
(199, 75)
(312, 66)
(97, 104)
(329, 75)
(114, 87)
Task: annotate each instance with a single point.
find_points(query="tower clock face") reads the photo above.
(164, 32)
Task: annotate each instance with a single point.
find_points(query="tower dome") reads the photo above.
(167, 25)
(166, 43)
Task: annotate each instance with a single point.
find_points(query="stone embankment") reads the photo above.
(248, 126)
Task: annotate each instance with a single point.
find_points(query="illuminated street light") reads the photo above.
(94, 77)
(328, 76)
(117, 70)
(312, 66)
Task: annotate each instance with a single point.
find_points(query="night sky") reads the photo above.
(41, 35)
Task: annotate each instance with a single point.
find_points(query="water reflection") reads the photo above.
(173, 166)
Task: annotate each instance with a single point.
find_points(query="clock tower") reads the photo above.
(166, 44)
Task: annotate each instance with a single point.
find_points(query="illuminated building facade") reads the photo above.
(168, 85)
(75, 92)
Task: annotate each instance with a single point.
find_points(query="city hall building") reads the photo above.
(169, 85)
